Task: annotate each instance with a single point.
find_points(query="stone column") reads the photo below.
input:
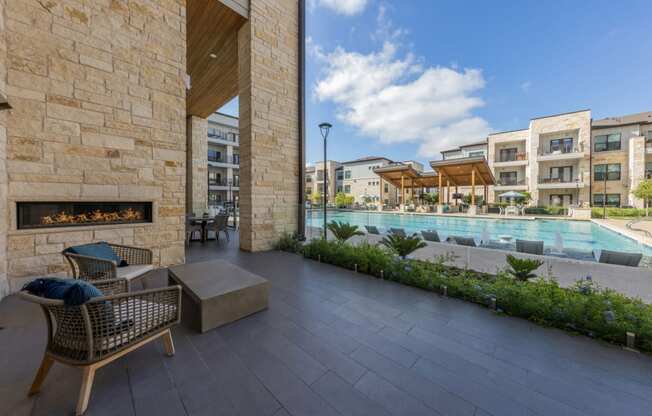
(4, 208)
(197, 165)
(269, 124)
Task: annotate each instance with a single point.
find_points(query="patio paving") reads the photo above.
(334, 342)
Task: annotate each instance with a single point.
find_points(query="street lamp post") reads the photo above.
(325, 128)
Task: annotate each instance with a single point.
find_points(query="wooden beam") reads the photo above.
(402, 189)
(473, 187)
(448, 192)
(477, 171)
(448, 177)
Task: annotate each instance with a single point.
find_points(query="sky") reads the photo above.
(406, 79)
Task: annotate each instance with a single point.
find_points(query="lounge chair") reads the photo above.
(398, 231)
(93, 334)
(529, 246)
(462, 241)
(372, 229)
(430, 235)
(90, 268)
(617, 257)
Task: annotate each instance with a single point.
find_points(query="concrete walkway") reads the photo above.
(334, 342)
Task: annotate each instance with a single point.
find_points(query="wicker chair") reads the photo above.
(104, 329)
(93, 268)
(220, 223)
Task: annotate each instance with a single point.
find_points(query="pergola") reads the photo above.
(470, 172)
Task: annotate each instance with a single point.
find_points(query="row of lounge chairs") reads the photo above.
(522, 246)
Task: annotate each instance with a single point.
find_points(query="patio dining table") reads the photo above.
(203, 221)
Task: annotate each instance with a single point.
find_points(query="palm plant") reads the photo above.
(401, 245)
(343, 230)
(522, 269)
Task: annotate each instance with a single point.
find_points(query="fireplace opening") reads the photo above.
(69, 214)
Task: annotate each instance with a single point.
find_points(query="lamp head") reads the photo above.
(324, 128)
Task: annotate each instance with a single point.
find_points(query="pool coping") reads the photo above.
(622, 231)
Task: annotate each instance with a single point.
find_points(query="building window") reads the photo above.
(476, 153)
(214, 178)
(339, 189)
(320, 175)
(347, 174)
(561, 174)
(236, 159)
(386, 188)
(612, 172)
(564, 145)
(648, 170)
(308, 178)
(214, 155)
(508, 155)
(347, 189)
(340, 175)
(561, 200)
(508, 178)
(607, 142)
(613, 200)
(308, 191)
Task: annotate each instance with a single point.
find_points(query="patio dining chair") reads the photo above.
(462, 241)
(430, 235)
(529, 246)
(192, 227)
(220, 223)
(103, 329)
(137, 262)
(398, 231)
(372, 229)
(617, 257)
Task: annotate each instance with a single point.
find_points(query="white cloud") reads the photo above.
(397, 100)
(525, 86)
(345, 7)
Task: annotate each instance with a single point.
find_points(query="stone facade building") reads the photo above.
(109, 101)
(223, 160)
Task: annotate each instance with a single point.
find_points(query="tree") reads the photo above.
(431, 198)
(342, 200)
(403, 245)
(316, 198)
(644, 192)
(343, 230)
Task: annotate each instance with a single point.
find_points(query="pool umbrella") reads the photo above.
(512, 195)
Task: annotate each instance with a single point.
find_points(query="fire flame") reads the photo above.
(96, 216)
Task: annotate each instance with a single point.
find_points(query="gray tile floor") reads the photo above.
(334, 342)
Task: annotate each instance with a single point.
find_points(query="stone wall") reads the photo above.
(197, 165)
(4, 283)
(98, 114)
(269, 126)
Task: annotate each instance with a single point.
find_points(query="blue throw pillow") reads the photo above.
(71, 291)
(101, 250)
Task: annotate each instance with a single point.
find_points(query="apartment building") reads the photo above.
(361, 182)
(315, 179)
(223, 160)
(569, 159)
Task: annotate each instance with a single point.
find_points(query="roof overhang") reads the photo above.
(460, 172)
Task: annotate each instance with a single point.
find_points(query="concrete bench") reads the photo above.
(217, 292)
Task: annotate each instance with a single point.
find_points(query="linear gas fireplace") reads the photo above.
(68, 214)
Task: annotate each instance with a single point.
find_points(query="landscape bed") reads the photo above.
(585, 308)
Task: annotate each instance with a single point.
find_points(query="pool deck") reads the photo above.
(465, 215)
(639, 232)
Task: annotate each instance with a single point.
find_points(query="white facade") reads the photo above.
(361, 182)
(223, 160)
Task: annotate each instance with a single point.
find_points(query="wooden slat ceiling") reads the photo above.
(212, 28)
(457, 171)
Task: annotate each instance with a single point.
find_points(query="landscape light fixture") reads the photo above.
(324, 129)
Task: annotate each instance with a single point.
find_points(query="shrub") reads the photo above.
(289, 242)
(546, 211)
(598, 212)
(584, 308)
(343, 230)
(522, 269)
(402, 246)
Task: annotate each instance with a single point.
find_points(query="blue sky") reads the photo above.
(406, 79)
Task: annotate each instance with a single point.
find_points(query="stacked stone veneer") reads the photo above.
(98, 114)
(197, 165)
(269, 132)
(4, 283)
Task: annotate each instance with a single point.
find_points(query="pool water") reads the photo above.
(582, 236)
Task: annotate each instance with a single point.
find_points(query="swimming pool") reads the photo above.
(583, 236)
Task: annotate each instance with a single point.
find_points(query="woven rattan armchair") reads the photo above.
(105, 328)
(93, 268)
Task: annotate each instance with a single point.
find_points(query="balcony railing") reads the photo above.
(558, 180)
(224, 182)
(234, 159)
(229, 137)
(511, 182)
(512, 157)
(575, 148)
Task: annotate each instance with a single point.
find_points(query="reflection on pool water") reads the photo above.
(577, 235)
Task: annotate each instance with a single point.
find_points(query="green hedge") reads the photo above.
(597, 212)
(584, 308)
(546, 211)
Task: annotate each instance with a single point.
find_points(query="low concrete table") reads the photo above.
(218, 292)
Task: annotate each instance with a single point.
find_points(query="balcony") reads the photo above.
(561, 153)
(512, 185)
(517, 159)
(648, 146)
(560, 183)
(223, 161)
(229, 139)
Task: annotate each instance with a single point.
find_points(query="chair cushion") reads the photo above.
(71, 291)
(133, 271)
(100, 250)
